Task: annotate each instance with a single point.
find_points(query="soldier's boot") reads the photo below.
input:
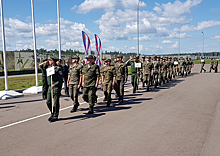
(105, 98)
(74, 109)
(143, 85)
(204, 70)
(120, 100)
(91, 111)
(156, 84)
(164, 82)
(147, 88)
(160, 83)
(108, 103)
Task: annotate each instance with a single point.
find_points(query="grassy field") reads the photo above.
(199, 61)
(20, 82)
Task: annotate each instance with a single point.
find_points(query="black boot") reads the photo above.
(74, 109)
(90, 110)
(108, 104)
(147, 88)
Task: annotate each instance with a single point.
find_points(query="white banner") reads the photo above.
(50, 71)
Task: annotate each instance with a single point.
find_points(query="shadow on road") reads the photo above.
(17, 102)
(6, 107)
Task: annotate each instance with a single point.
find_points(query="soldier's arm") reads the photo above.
(98, 76)
(80, 79)
(68, 80)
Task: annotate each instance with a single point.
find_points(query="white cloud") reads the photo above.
(201, 26)
(175, 45)
(107, 5)
(177, 8)
(144, 38)
(166, 42)
(73, 8)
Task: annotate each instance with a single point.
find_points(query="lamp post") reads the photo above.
(203, 43)
(59, 38)
(138, 24)
(179, 36)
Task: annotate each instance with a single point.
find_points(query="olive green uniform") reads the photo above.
(147, 66)
(187, 66)
(182, 64)
(190, 66)
(109, 73)
(156, 65)
(160, 74)
(121, 76)
(211, 66)
(164, 74)
(171, 70)
(44, 80)
(134, 75)
(216, 66)
(90, 73)
(75, 72)
(57, 80)
(202, 66)
(175, 65)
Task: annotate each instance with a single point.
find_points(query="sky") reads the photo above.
(162, 23)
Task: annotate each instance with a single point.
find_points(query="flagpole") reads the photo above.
(59, 38)
(34, 39)
(4, 47)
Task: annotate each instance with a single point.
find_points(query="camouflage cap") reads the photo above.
(52, 58)
(119, 56)
(136, 57)
(143, 56)
(75, 57)
(170, 57)
(108, 60)
(104, 58)
(44, 59)
(89, 57)
(155, 56)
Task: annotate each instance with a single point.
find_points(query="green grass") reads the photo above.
(20, 82)
(199, 61)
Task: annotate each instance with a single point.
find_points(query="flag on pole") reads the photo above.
(98, 53)
(86, 43)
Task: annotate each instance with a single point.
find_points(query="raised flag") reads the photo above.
(98, 53)
(86, 43)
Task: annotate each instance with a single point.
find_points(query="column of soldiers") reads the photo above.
(112, 76)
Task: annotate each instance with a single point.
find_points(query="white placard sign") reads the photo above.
(50, 71)
(202, 60)
(137, 65)
(176, 63)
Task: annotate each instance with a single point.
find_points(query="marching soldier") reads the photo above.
(141, 71)
(108, 80)
(101, 72)
(160, 59)
(148, 72)
(187, 66)
(175, 67)
(164, 71)
(135, 72)
(211, 65)
(171, 64)
(90, 82)
(216, 65)
(74, 82)
(202, 65)
(156, 70)
(191, 64)
(121, 77)
(182, 64)
(55, 87)
(44, 66)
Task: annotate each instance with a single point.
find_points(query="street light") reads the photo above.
(138, 24)
(179, 36)
(203, 43)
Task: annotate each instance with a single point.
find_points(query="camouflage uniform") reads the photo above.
(156, 72)
(211, 65)
(75, 72)
(44, 79)
(90, 73)
(147, 69)
(216, 66)
(202, 66)
(121, 76)
(108, 73)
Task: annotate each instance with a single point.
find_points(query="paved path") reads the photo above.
(181, 118)
(23, 75)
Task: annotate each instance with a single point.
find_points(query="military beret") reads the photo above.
(119, 56)
(44, 59)
(75, 57)
(108, 60)
(89, 57)
(54, 58)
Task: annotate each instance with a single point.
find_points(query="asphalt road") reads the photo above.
(181, 118)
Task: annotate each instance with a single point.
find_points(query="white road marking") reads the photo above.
(22, 121)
